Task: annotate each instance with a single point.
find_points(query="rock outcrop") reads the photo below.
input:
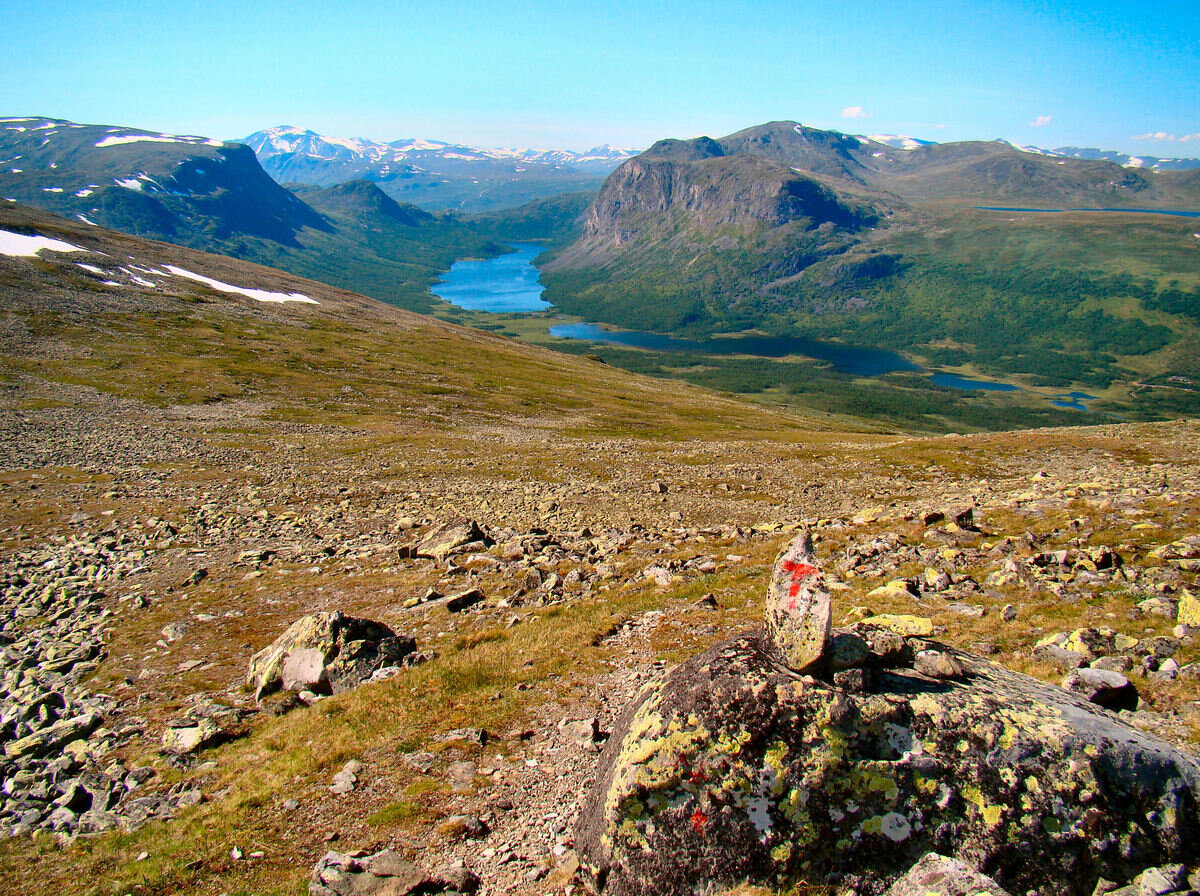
(326, 653)
(735, 765)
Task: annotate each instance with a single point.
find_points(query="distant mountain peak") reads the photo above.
(432, 173)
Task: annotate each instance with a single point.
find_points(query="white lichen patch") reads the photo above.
(895, 827)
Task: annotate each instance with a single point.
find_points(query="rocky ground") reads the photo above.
(149, 553)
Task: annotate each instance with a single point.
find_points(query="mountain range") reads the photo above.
(1124, 159)
(431, 173)
(930, 250)
(214, 196)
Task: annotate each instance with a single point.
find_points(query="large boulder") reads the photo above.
(441, 542)
(326, 653)
(736, 766)
(384, 873)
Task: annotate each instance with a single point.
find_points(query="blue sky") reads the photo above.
(573, 75)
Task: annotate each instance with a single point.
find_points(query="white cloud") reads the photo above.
(1164, 137)
(855, 112)
(1041, 121)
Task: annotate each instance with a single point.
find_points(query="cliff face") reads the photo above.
(691, 196)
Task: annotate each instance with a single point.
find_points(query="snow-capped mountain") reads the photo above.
(896, 141)
(1128, 161)
(432, 173)
(1125, 160)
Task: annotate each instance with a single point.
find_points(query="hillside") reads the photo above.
(430, 173)
(795, 231)
(199, 451)
(214, 196)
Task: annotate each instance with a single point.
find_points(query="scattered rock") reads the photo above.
(733, 767)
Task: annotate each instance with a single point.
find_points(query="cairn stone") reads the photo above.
(799, 611)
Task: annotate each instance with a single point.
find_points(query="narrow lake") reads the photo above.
(847, 359)
(506, 284)
(1140, 211)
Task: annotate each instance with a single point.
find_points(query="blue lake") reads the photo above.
(958, 382)
(1074, 401)
(846, 359)
(502, 285)
(1140, 211)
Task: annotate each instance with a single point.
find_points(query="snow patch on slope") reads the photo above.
(260, 295)
(20, 245)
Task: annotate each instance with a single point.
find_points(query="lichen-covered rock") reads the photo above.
(938, 875)
(326, 653)
(799, 611)
(1188, 611)
(732, 766)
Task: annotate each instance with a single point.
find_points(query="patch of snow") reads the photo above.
(17, 170)
(260, 295)
(3, 120)
(18, 130)
(52, 189)
(18, 244)
(122, 139)
(83, 194)
(130, 183)
(89, 267)
(896, 141)
(85, 220)
(49, 126)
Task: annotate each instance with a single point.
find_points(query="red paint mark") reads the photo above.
(697, 776)
(798, 571)
(699, 820)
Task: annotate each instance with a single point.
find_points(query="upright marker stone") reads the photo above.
(799, 612)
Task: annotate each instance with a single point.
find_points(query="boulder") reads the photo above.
(445, 539)
(1104, 687)
(1188, 611)
(385, 873)
(326, 653)
(737, 765)
(191, 736)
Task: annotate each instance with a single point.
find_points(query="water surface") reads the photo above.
(505, 284)
(844, 358)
